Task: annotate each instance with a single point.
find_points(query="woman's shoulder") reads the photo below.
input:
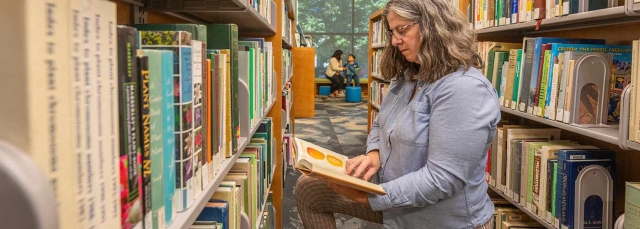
(466, 80)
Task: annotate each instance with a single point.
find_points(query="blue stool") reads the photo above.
(325, 90)
(353, 95)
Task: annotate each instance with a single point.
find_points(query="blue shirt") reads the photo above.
(351, 68)
(433, 151)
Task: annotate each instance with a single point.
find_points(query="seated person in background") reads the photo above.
(352, 70)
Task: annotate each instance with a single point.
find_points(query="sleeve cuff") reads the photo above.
(379, 203)
(372, 146)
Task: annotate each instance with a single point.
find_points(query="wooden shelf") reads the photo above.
(609, 16)
(286, 44)
(185, 219)
(522, 208)
(377, 46)
(238, 12)
(291, 10)
(605, 134)
(375, 106)
(379, 77)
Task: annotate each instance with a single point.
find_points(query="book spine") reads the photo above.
(156, 138)
(168, 125)
(113, 207)
(632, 204)
(526, 73)
(131, 209)
(101, 10)
(551, 163)
(145, 147)
(91, 107)
(77, 106)
(234, 89)
(196, 116)
(47, 39)
(185, 127)
(208, 120)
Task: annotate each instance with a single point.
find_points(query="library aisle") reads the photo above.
(338, 126)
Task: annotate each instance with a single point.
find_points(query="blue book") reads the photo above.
(168, 136)
(571, 170)
(216, 210)
(561, 186)
(537, 65)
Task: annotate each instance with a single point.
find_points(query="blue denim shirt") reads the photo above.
(433, 151)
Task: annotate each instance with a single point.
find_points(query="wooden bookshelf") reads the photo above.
(613, 25)
(250, 24)
(376, 16)
(304, 89)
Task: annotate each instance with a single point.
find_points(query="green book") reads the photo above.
(516, 81)
(225, 36)
(501, 58)
(632, 205)
(545, 76)
(156, 128)
(198, 32)
(490, 59)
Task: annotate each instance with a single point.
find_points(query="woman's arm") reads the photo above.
(464, 114)
(335, 65)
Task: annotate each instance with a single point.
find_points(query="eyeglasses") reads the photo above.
(398, 33)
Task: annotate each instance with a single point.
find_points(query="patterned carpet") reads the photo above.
(337, 126)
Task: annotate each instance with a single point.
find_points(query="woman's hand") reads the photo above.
(364, 166)
(352, 194)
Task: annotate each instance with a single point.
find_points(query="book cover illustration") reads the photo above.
(327, 165)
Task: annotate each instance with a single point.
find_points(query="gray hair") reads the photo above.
(447, 42)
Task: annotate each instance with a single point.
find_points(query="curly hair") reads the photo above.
(447, 42)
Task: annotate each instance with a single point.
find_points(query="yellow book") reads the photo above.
(330, 166)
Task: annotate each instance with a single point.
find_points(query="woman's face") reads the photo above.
(341, 55)
(408, 39)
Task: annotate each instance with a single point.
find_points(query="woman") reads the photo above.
(333, 73)
(428, 146)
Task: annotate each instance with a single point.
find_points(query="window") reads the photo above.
(338, 24)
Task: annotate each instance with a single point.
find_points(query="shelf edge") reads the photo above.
(522, 208)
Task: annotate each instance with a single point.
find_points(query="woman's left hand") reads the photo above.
(352, 194)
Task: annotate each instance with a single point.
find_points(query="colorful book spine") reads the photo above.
(196, 116)
(145, 146)
(156, 140)
(225, 36)
(131, 209)
(632, 205)
(168, 137)
(180, 43)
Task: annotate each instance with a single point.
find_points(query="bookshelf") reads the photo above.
(238, 12)
(250, 24)
(522, 208)
(617, 25)
(610, 16)
(376, 16)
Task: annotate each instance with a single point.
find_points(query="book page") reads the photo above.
(320, 156)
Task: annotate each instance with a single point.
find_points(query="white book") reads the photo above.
(35, 115)
(108, 195)
(78, 124)
(196, 79)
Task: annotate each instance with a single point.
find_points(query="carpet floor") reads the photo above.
(338, 126)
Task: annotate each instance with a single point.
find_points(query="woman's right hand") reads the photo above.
(364, 166)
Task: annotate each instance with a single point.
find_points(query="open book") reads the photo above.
(315, 161)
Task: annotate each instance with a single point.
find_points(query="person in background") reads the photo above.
(352, 70)
(333, 73)
(428, 147)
